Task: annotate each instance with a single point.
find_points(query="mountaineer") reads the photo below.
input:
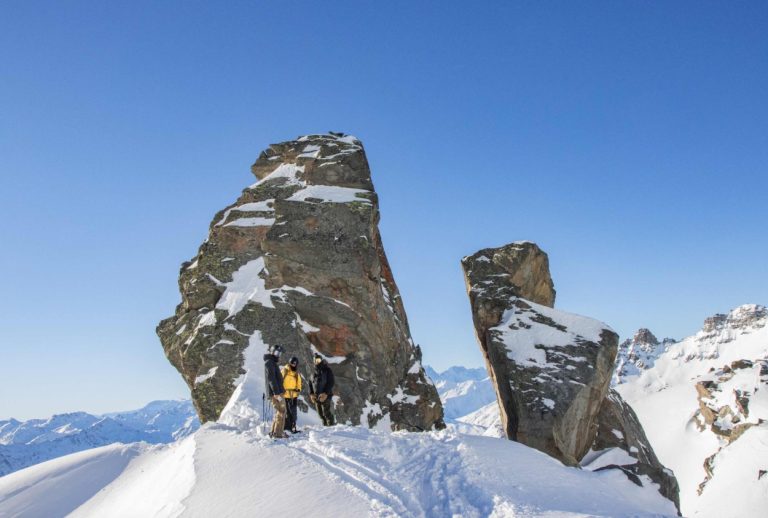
(275, 391)
(321, 390)
(292, 386)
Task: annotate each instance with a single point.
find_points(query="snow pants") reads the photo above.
(278, 421)
(324, 409)
(292, 406)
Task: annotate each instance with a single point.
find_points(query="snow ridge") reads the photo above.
(341, 471)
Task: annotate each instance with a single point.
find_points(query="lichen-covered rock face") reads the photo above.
(550, 369)
(621, 444)
(298, 261)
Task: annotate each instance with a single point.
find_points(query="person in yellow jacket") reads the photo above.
(292, 386)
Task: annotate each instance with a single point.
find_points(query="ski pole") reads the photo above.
(264, 411)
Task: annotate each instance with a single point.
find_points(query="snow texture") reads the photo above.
(340, 471)
(527, 347)
(247, 285)
(331, 194)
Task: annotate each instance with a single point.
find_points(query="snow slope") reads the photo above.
(341, 471)
(483, 421)
(26, 443)
(58, 487)
(688, 429)
(462, 391)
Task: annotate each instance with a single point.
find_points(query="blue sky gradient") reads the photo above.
(628, 139)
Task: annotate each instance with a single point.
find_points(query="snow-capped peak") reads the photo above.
(638, 354)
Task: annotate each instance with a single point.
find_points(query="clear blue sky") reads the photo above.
(629, 139)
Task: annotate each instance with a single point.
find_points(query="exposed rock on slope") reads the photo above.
(550, 369)
(621, 444)
(725, 394)
(298, 260)
(704, 406)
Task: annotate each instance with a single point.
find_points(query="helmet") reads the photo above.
(276, 350)
(293, 360)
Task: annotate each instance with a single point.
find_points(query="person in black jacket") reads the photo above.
(321, 390)
(274, 388)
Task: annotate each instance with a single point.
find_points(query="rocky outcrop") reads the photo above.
(298, 260)
(621, 444)
(742, 318)
(550, 369)
(724, 397)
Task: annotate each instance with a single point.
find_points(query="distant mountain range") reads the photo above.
(24, 443)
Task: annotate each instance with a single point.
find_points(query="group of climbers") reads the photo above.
(283, 386)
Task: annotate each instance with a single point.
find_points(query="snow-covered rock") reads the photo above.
(341, 471)
(297, 260)
(551, 369)
(704, 407)
(24, 443)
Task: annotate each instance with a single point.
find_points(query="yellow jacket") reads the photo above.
(291, 382)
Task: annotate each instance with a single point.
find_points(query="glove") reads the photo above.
(313, 398)
(278, 397)
(322, 397)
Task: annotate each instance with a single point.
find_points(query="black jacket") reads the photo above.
(273, 380)
(322, 379)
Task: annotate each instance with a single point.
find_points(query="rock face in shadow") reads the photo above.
(621, 444)
(298, 260)
(551, 369)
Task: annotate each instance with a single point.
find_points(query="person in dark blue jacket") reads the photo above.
(274, 388)
(321, 390)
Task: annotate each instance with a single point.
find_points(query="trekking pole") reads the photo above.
(264, 412)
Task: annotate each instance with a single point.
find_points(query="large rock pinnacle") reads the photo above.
(298, 260)
(551, 369)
